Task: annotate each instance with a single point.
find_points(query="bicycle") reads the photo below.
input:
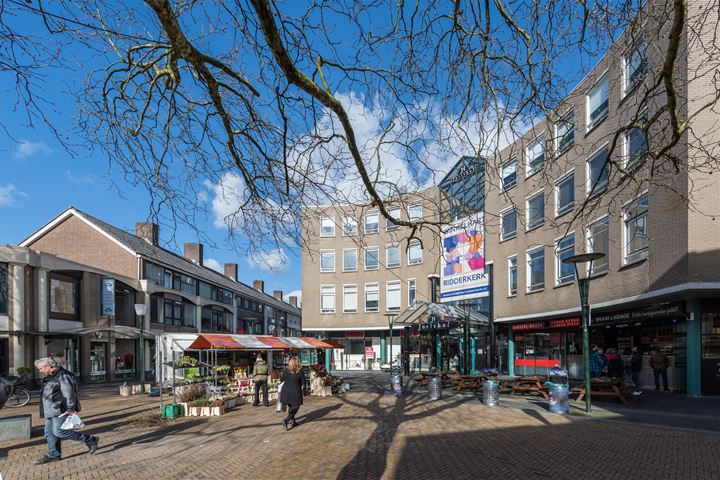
(17, 393)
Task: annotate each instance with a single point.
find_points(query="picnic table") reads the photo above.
(530, 384)
(426, 376)
(603, 387)
(468, 382)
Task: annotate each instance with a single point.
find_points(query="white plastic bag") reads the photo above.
(279, 407)
(72, 422)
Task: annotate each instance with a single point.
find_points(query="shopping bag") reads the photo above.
(72, 422)
(279, 407)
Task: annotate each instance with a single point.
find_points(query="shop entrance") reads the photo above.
(535, 353)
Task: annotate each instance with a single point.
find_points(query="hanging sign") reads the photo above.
(462, 276)
(108, 297)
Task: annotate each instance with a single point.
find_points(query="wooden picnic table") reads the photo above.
(603, 387)
(425, 377)
(530, 384)
(468, 382)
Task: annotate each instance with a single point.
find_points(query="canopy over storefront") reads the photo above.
(424, 312)
(217, 341)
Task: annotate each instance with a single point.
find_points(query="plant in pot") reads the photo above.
(197, 406)
(186, 361)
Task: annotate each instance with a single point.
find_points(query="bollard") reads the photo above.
(491, 390)
(396, 385)
(435, 388)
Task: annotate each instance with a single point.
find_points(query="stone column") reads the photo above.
(17, 317)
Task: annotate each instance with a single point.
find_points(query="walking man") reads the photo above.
(260, 376)
(635, 366)
(59, 399)
(659, 362)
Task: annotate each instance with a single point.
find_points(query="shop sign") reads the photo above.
(108, 296)
(519, 327)
(442, 325)
(565, 322)
(649, 313)
(369, 352)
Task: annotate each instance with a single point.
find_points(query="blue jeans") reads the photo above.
(54, 434)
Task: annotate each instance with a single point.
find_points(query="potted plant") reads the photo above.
(186, 361)
(216, 408)
(197, 407)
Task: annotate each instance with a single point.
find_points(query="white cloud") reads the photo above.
(274, 260)
(27, 148)
(8, 194)
(214, 264)
(294, 293)
(84, 179)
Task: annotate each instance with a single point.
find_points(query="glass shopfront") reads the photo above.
(710, 360)
(98, 369)
(124, 358)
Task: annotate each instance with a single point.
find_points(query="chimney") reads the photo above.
(278, 294)
(259, 285)
(231, 271)
(293, 300)
(194, 253)
(150, 232)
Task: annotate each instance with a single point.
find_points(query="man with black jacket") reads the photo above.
(635, 366)
(59, 399)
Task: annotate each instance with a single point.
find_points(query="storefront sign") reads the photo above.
(108, 296)
(519, 327)
(369, 352)
(641, 314)
(463, 275)
(443, 325)
(565, 322)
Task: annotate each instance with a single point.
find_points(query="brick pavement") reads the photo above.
(367, 434)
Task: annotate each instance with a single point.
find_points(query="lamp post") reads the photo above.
(466, 337)
(391, 322)
(582, 275)
(141, 310)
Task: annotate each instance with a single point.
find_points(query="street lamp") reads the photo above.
(141, 310)
(391, 322)
(582, 275)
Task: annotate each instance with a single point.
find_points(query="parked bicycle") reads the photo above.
(17, 392)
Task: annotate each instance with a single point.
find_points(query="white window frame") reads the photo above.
(410, 260)
(571, 205)
(348, 250)
(329, 290)
(558, 261)
(640, 46)
(539, 140)
(588, 176)
(629, 163)
(377, 258)
(415, 212)
(592, 123)
(377, 223)
(510, 291)
(389, 225)
(353, 225)
(528, 269)
(331, 224)
(333, 261)
(350, 289)
(507, 186)
(567, 119)
(376, 287)
(512, 234)
(530, 197)
(388, 306)
(387, 257)
(591, 247)
(640, 254)
(412, 288)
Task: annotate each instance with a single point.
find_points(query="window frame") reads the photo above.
(377, 292)
(564, 120)
(530, 287)
(418, 207)
(376, 214)
(349, 250)
(387, 257)
(567, 176)
(345, 232)
(388, 307)
(590, 246)
(539, 140)
(505, 187)
(377, 258)
(589, 190)
(334, 260)
(389, 224)
(510, 291)
(331, 289)
(628, 87)
(528, 225)
(627, 163)
(411, 244)
(347, 288)
(75, 293)
(412, 289)
(564, 280)
(513, 234)
(640, 254)
(332, 224)
(591, 124)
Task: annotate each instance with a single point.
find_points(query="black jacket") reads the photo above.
(59, 394)
(292, 390)
(636, 362)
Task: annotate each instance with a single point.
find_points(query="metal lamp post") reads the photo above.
(391, 322)
(582, 275)
(141, 310)
(466, 337)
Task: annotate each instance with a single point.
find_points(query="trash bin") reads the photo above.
(558, 388)
(435, 388)
(491, 390)
(396, 385)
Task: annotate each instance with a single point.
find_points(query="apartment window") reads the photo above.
(372, 222)
(3, 288)
(414, 252)
(350, 299)
(349, 225)
(565, 133)
(411, 293)
(393, 296)
(599, 241)
(598, 169)
(565, 194)
(350, 260)
(535, 155)
(508, 220)
(372, 258)
(565, 248)
(597, 103)
(635, 64)
(394, 212)
(535, 210)
(508, 172)
(512, 275)
(327, 227)
(64, 296)
(415, 212)
(372, 297)
(154, 273)
(392, 256)
(636, 240)
(327, 260)
(635, 148)
(536, 269)
(327, 299)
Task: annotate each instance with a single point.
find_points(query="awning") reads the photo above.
(218, 341)
(422, 310)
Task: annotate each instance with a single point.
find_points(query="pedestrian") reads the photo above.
(635, 366)
(58, 400)
(615, 363)
(260, 377)
(291, 394)
(659, 362)
(596, 362)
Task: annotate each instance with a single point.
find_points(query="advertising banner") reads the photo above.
(463, 267)
(108, 296)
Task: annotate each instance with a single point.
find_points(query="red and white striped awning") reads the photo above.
(219, 341)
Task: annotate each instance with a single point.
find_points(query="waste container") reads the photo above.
(435, 388)
(558, 388)
(491, 390)
(396, 385)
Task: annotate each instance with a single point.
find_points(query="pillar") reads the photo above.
(42, 299)
(511, 351)
(383, 347)
(328, 354)
(17, 318)
(472, 354)
(694, 350)
(438, 351)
